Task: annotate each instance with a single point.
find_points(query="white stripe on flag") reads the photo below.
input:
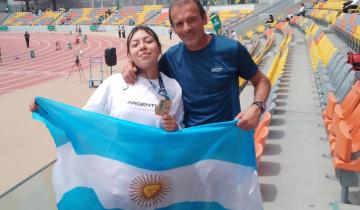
(207, 180)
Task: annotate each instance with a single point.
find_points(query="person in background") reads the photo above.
(77, 40)
(170, 33)
(119, 31)
(234, 35)
(27, 39)
(350, 5)
(80, 31)
(289, 17)
(123, 32)
(227, 33)
(154, 100)
(301, 10)
(269, 19)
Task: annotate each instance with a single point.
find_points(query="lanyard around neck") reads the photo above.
(159, 89)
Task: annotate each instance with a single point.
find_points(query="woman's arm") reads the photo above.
(174, 120)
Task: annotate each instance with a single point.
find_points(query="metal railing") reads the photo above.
(34, 192)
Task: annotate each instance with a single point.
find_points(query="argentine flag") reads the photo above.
(105, 163)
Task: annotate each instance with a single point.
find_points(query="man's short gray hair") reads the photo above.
(183, 2)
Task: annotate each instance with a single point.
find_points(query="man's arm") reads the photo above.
(249, 118)
(129, 73)
(261, 86)
(129, 70)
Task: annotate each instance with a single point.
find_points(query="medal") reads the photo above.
(163, 107)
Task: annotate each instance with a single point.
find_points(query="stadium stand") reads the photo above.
(274, 74)
(347, 163)
(260, 136)
(260, 29)
(138, 14)
(228, 17)
(347, 111)
(47, 18)
(89, 16)
(82, 16)
(262, 130)
(326, 16)
(160, 19)
(269, 43)
(3, 16)
(347, 27)
(20, 19)
(338, 87)
(333, 74)
(330, 5)
(249, 34)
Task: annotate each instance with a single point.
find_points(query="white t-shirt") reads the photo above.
(135, 103)
(302, 8)
(355, 2)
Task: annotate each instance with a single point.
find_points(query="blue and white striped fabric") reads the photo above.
(107, 163)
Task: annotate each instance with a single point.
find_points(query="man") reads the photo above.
(301, 10)
(119, 31)
(227, 34)
(207, 67)
(27, 39)
(80, 31)
(269, 19)
(123, 32)
(289, 17)
(77, 40)
(170, 33)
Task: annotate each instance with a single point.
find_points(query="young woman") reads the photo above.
(154, 99)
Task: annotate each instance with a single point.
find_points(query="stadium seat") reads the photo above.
(349, 103)
(347, 165)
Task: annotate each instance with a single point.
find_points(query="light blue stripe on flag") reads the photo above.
(108, 161)
(92, 202)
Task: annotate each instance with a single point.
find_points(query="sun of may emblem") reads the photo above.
(148, 190)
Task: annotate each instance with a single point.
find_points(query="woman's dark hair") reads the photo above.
(183, 2)
(147, 30)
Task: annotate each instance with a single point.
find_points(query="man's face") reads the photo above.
(188, 24)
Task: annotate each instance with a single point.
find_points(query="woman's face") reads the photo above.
(144, 51)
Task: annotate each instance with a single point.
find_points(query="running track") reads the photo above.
(20, 71)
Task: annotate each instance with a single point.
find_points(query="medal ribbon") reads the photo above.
(159, 89)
